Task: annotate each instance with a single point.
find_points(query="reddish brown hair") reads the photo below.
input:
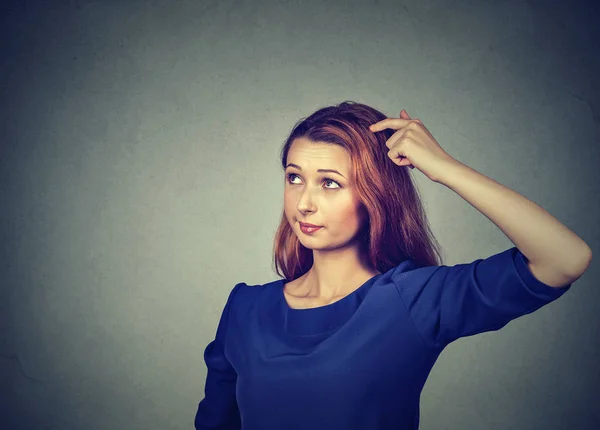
(397, 228)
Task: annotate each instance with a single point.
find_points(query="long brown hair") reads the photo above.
(397, 228)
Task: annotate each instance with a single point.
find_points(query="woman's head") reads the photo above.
(319, 190)
(372, 202)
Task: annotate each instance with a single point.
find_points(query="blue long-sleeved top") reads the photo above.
(359, 363)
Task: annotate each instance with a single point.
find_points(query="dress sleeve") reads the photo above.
(449, 302)
(219, 410)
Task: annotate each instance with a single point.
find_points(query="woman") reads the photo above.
(347, 339)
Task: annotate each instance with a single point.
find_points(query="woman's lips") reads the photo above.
(307, 228)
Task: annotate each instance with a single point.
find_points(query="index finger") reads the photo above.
(393, 123)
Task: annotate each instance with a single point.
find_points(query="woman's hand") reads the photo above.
(414, 146)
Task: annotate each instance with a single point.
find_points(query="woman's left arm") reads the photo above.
(556, 255)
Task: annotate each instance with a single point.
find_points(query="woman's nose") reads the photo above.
(305, 203)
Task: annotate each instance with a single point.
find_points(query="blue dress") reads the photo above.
(359, 363)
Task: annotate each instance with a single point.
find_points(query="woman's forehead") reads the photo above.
(318, 155)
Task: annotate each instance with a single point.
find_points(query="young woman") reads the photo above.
(347, 339)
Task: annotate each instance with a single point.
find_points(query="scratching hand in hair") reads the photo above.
(412, 145)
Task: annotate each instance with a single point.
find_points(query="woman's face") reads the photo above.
(325, 199)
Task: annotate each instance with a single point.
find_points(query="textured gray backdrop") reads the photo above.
(140, 181)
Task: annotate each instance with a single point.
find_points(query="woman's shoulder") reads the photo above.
(243, 289)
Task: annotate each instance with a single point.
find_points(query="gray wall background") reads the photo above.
(139, 182)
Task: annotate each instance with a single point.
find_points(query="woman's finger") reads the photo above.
(393, 123)
(404, 115)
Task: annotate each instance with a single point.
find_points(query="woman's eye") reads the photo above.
(290, 176)
(331, 180)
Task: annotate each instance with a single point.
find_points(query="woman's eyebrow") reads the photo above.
(320, 170)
